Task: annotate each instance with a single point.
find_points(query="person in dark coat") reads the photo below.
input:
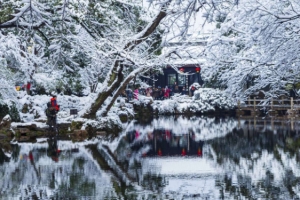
(129, 94)
(51, 111)
(161, 93)
(156, 92)
(193, 90)
(175, 88)
(293, 93)
(183, 92)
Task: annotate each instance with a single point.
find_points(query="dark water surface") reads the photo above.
(168, 158)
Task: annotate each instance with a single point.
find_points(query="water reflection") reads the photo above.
(165, 143)
(168, 158)
(52, 169)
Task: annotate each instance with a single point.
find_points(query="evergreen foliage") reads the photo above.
(14, 113)
(4, 110)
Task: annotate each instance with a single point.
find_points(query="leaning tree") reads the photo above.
(175, 18)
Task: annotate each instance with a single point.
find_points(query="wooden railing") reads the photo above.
(277, 103)
(288, 106)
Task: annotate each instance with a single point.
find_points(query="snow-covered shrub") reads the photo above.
(14, 113)
(196, 85)
(204, 100)
(214, 97)
(121, 108)
(142, 100)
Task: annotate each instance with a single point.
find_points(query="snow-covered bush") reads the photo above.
(215, 97)
(204, 100)
(142, 100)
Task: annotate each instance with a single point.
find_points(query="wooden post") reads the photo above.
(154, 142)
(292, 103)
(254, 104)
(272, 103)
(239, 104)
(153, 83)
(187, 85)
(249, 102)
(188, 149)
(272, 123)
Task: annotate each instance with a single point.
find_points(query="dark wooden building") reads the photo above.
(184, 76)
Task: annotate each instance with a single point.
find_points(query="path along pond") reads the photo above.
(166, 158)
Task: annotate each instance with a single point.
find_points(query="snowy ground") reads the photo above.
(204, 100)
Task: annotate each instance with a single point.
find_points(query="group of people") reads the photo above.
(162, 93)
(24, 87)
(157, 93)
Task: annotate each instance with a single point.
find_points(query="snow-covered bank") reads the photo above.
(32, 109)
(204, 100)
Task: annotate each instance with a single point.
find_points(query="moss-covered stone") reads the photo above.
(76, 125)
(36, 115)
(5, 123)
(25, 108)
(110, 128)
(123, 117)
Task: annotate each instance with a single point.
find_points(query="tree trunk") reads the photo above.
(117, 93)
(116, 72)
(114, 81)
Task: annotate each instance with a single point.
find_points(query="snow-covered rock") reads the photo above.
(6, 122)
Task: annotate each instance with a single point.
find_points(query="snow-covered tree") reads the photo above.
(172, 16)
(255, 48)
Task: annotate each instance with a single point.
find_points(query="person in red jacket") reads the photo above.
(54, 103)
(51, 112)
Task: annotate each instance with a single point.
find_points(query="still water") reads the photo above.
(167, 158)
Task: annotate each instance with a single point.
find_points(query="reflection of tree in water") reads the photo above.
(15, 152)
(133, 147)
(264, 189)
(228, 189)
(153, 182)
(243, 145)
(3, 157)
(35, 175)
(52, 148)
(239, 144)
(77, 186)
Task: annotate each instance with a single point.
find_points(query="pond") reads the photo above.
(166, 158)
